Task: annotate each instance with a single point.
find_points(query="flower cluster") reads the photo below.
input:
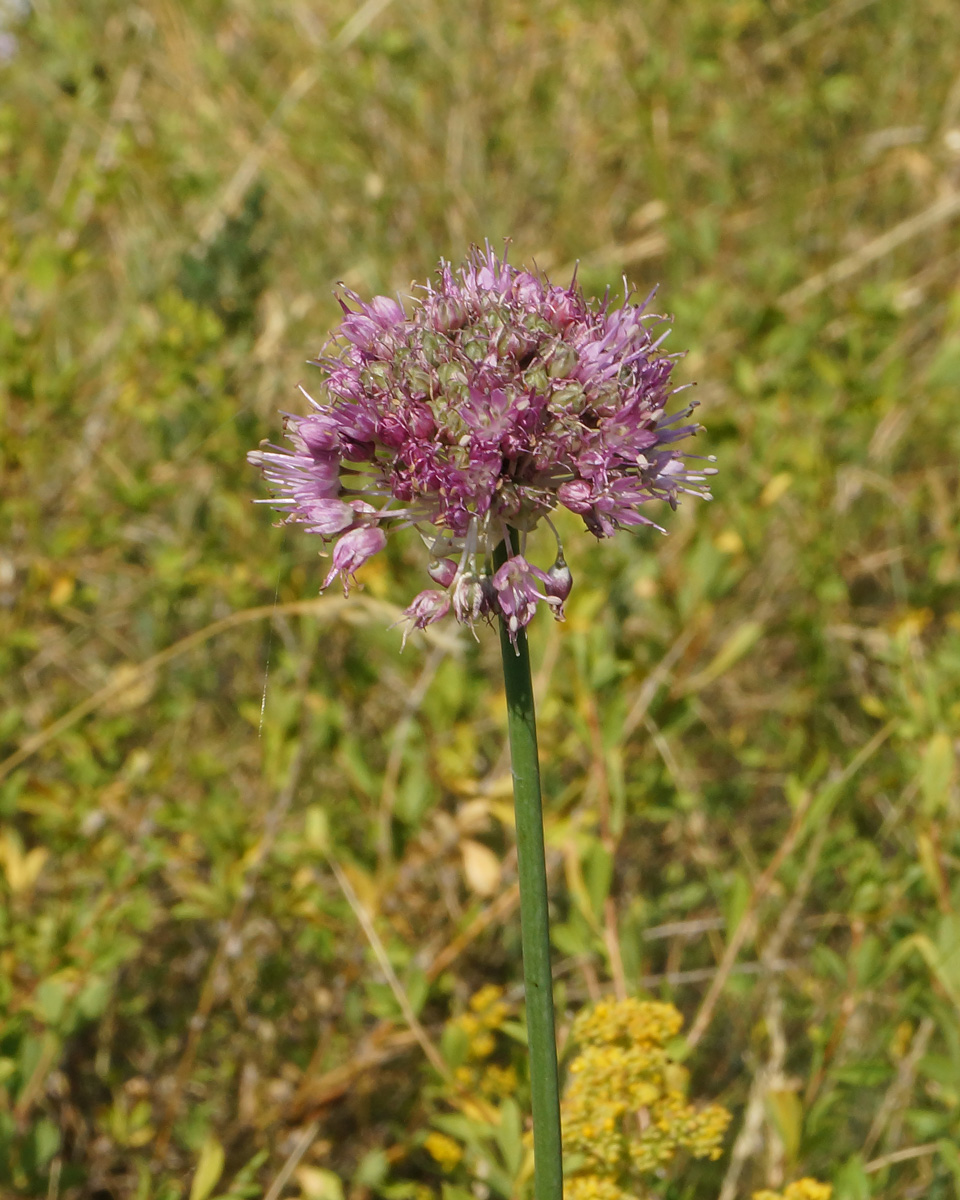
(477, 1030)
(443, 1150)
(802, 1189)
(498, 398)
(625, 1112)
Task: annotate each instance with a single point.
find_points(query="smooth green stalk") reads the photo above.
(534, 915)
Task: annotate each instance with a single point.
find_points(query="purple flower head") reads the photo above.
(495, 399)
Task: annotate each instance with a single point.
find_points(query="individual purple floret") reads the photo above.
(497, 399)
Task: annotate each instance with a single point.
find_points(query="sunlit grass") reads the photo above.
(748, 727)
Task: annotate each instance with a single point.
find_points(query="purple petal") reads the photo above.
(353, 550)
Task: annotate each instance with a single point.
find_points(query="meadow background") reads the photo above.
(230, 811)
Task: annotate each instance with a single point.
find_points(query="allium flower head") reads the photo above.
(495, 399)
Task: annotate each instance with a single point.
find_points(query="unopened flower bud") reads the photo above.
(442, 571)
(535, 378)
(558, 585)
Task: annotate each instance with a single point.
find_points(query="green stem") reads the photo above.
(534, 915)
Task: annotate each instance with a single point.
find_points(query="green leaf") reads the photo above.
(571, 939)
(786, 1113)
(598, 875)
(852, 1182)
(936, 773)
(94, 997)
(464, 1129)
(946, 967)
(417, 988)
(736, 902)
(740, 642)
(316, 829)
(51, 999)
(517, 1030)
(450, 1192)
(454, 1045)
(46, 1141)
(950, 1157)
(372, 1170)
(209, 1169)
(510, 1135)
(244, 1185)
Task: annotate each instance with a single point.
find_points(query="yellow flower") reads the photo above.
(808, 1189)
(499, 1081)
(802, 1189)
(592, 1187)
(443, 1149)
(625, 1109)
(489, 1006)
(482, 1046)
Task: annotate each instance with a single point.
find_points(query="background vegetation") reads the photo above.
(255, 863)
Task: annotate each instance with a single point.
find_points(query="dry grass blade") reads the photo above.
(655, 680)
(504, 904)
(254, 861)
(328, 607)
(403, 1001)
(767, 1077)
(762, 886)
(243, 178)
(899, 1156)
(941, 211)
(744, 930)
(804, 30)
(898, 1094)
(301, 1146)
(398, 743)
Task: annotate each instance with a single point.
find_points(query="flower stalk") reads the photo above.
(492, 400)
(534, 912)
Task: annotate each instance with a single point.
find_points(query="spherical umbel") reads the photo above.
(496, 398)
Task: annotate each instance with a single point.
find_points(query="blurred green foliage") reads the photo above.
(188, 1004)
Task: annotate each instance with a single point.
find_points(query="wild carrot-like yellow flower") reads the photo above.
(625, 1111)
